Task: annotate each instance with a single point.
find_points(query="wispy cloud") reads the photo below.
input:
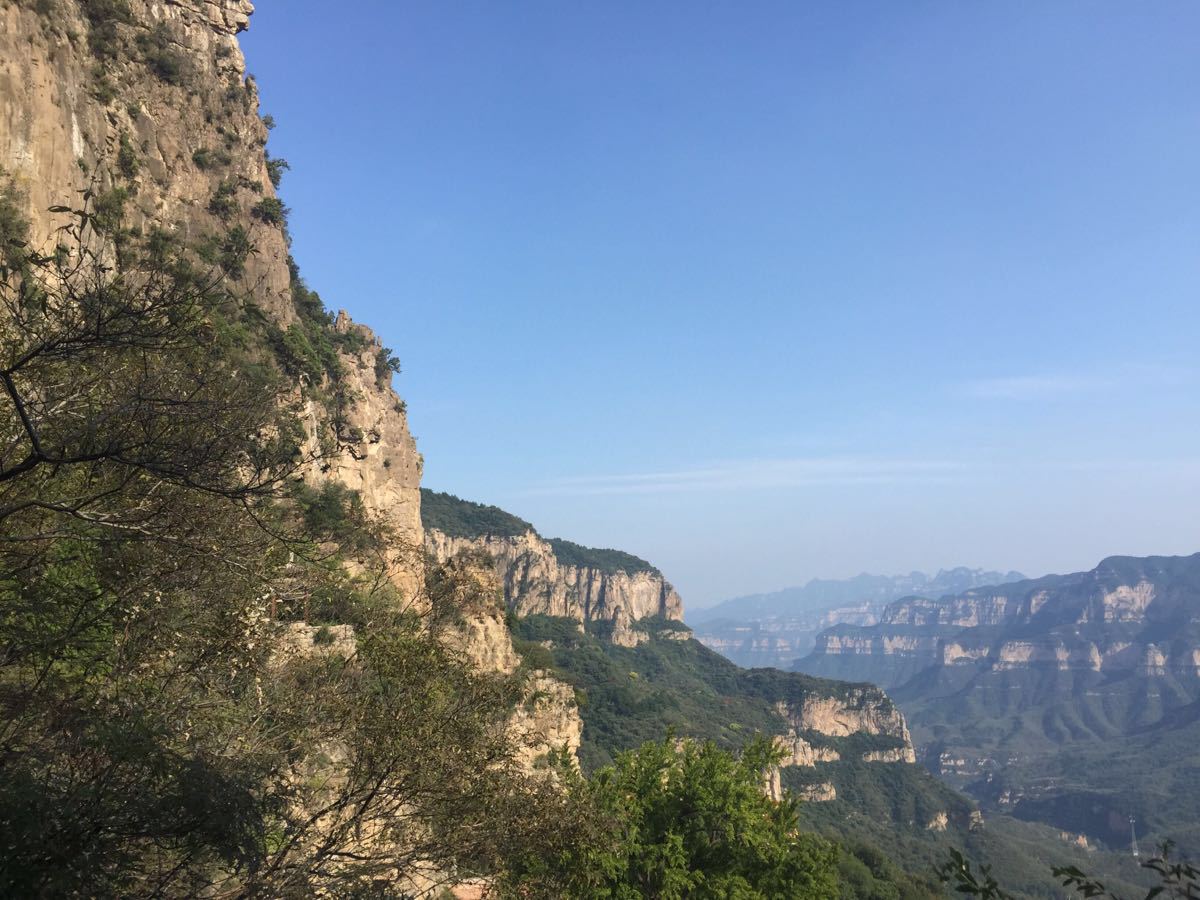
(760, 473)
(1054, 385)
(1027, 387)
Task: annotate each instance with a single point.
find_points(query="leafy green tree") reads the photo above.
(674, 820)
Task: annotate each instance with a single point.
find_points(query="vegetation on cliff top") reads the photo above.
(604, 559)
(460, 518)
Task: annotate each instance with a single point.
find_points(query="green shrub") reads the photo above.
(334, 512)
(606, 560)
(534, 655)
(299, 356)
(387, 364)
(685, 821)
(127, 157)
(206, 159)
(105, 91)
(223, 203)
(103, 16)
(276, 166)
(14, 226)
(462, 518)
(229, 251)
(158, 50)
(271, 211)
(108, 210)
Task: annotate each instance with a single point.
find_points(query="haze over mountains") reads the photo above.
(776, 628)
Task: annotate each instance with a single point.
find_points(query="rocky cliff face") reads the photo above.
(811, 720)
(378, 457)
(166, 80)
(536, 581)
(546, 719)
(147, 103)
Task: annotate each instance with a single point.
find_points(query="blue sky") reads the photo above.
(770, 291)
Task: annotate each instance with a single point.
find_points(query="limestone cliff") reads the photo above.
(554, 578)
(146, 105)
(164, 79)
(854, 711)
(546, 719)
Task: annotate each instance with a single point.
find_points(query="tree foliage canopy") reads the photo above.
(685, 819)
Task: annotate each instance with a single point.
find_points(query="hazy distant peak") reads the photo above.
(819, 593)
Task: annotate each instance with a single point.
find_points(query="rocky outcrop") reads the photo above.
(66, 118)
(857, 711)
(623, 632)
(535, 581)
(546, 721)
(800, 752)
(371, 451)
(823, 792)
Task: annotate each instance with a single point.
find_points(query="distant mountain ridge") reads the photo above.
(822, 593)
(777, 628)
(1126, 613)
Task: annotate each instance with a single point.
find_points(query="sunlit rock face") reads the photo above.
(1127, 603)
(63, 119)
(851, 712)
(535, 581)
(191, 131)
